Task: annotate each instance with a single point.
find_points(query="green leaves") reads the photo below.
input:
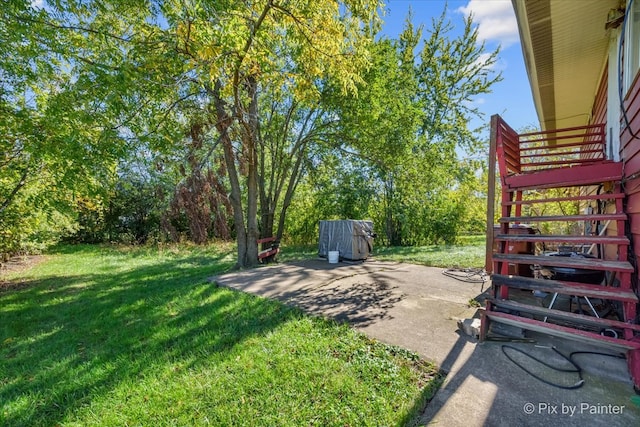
(451, 73)
(409, 126)
(273, 86)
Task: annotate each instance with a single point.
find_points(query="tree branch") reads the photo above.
(21, 183)
(69, 27)
(245, 50)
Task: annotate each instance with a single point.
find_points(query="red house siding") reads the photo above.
(599, 115)
(630, 154)
(599, 110)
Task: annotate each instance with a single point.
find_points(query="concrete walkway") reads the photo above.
(417, 308)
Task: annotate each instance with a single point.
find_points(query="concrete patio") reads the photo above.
(417, 308)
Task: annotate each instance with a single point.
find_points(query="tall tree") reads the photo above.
(410, 122)
(52, 151)
(145, 67)
(283, 43)
(292, 134)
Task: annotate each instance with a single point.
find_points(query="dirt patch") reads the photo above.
(17, 264)
(20, 263)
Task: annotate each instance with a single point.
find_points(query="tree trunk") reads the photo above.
(21, 183)
(266, 226)
(261, 188)
(266, 209)
(283, 178)
(223, 124)
(393, 226)
(251, 136)
(294, 178)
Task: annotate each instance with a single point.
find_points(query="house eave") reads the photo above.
(565, 46)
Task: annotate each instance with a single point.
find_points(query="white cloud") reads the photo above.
(37, 4)
(496, 20)
(484, 57)
(474, 103)
(499, 64)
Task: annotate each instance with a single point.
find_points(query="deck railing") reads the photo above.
(522, 154)
(558, 148)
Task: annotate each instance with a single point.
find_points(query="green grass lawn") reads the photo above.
(469, 253)
(98, 335)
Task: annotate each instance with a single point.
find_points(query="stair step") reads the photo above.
(561, 261)
(565, 288)
(538, 238)
(581, 175)
(605, 196)
(580, 319)
(560, 331)
(592, 217)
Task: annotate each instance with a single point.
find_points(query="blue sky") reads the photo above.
(511, 98)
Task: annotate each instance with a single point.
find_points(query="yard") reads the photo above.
(101, 335)
(469, 252)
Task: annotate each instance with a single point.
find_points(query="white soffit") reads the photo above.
(565, 45)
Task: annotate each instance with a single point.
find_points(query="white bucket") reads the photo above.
(333, 257)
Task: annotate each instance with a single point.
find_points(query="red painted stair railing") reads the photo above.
(573, 158)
